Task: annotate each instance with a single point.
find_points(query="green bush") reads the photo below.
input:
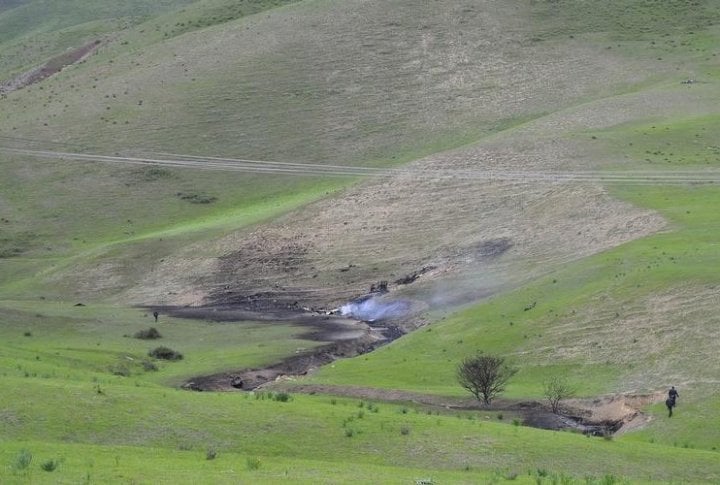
(282, 397)
(211, 453)
(49, 465)
(120, 370)
(149, 334)
(165, 353)
(253, 463)
(195, 198)
(22, 460)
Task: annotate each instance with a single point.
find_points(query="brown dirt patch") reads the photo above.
(49, 68)
(478, 235)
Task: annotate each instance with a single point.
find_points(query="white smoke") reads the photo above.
(372, 309)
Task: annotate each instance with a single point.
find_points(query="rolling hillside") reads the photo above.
(536, 179)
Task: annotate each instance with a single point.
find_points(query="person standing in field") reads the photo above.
(670, 401)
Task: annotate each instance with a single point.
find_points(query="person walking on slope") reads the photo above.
(670, 401)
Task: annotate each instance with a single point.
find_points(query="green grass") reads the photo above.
(204, 80)
(95, 341)
(34, 31)
(621, 321)
(73, 235)
(115, 464)
(312, 428)
(627, 19)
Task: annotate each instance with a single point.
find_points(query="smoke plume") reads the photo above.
(373, 308)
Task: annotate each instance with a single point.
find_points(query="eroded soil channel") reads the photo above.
(342, 337)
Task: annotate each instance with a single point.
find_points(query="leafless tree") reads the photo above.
(484, 376)
(555, 390)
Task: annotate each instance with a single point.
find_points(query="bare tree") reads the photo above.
(484, 376)
(555, 390)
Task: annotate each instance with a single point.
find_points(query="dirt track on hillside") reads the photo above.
(346, 337)
(341, 337)
(49, 68)
(615, 414)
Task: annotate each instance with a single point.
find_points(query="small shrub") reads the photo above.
(195, 198)
(253, 463)
(149, 334)
(511, 476)
(404, 430)
(556, 389)
(50, 465)
(22, 460)
(609, 480)
(120, 370)
(282, 397)
(211, 453)
(500, 416)
(333, 401)
(565, 479)
(349, 432)
(165, 353)
(152, 174)
(516, 422)
(149, 366)
(27, 334)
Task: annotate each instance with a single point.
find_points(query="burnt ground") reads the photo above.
(344, 337)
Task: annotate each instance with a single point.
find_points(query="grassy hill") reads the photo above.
(553, 164)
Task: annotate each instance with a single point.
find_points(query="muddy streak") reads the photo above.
(345, 337)
(49, 68)
(596, 417)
